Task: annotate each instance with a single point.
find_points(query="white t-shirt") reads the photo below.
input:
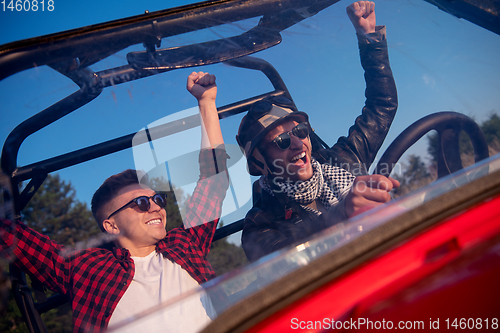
(155, 281)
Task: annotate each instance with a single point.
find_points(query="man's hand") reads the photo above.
(202, 86)
(368, 192)
(362, 15)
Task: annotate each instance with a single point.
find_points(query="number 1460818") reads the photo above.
(28, 5)
(472, 323)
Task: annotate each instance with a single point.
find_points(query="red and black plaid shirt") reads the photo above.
(95, 279)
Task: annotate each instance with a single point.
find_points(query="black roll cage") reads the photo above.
(71, 53)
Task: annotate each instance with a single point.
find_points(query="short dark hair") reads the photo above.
(108, 191)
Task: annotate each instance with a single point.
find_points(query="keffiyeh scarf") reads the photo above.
(328, 183)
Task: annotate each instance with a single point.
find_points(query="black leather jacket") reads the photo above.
(266, 227)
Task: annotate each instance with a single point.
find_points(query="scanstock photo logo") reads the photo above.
(168, 150)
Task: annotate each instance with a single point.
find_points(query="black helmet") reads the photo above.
(262, 117)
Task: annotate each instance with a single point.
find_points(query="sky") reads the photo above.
(439, 62)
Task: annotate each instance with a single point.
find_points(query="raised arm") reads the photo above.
(204, 205)
(202, 86)
(35, 254)
(357, 151)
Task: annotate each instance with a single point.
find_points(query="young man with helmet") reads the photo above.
(305, 190)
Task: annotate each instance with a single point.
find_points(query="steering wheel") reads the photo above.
(448, 126)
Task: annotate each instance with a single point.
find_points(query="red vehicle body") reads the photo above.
(442, 273)
(444, 278)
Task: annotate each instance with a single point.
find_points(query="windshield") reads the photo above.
(120, 89)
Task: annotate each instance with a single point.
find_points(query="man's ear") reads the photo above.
(110, 227)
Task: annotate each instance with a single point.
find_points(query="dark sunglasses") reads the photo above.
(283, 141)
(143, 203)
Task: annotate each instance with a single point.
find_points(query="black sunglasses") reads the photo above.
(143, 203)
(283, 141)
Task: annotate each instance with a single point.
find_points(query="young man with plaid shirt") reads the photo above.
(148, 265)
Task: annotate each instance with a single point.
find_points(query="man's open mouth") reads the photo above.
(301, 156)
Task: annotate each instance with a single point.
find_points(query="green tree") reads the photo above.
(491, 130)
(415, 175)
(54, 211)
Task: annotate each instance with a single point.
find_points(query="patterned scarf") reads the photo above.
(328, 183)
